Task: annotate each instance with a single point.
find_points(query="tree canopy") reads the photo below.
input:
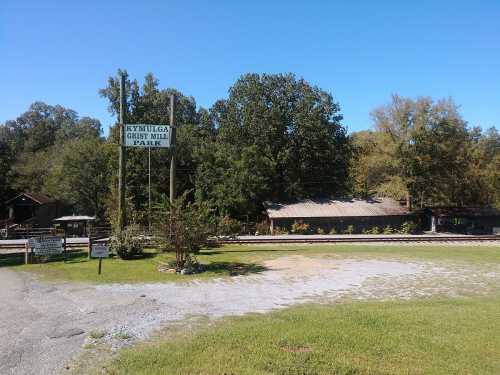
(424, 149)
(274, 138)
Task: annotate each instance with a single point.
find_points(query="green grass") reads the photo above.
(238, 260)
(460, 254)
(418, 337)
(114, 270)
(97, 334)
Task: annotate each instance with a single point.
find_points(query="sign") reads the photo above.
(496, 230)
(32, 242)
(46, 246)
(144, 135)
(99, 250)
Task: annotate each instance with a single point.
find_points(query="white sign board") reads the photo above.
(46, 246)
(99, 250)
(144, 135)
(32, 242)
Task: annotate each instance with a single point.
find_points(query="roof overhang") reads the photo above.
(67, 219)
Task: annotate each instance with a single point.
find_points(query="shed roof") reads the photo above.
(336, 208)
(36, 197)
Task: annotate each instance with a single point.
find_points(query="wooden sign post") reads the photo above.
(122, 218)
(142, 135)
(101, 251)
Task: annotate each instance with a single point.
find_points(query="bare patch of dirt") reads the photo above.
(299, 265)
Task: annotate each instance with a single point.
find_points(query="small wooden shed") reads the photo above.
(35, 209)
(75, 225)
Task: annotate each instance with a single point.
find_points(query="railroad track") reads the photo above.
(313, 239)
(280, 240)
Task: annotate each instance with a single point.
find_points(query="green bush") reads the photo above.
(349, 229)
(408, 227)
(388, 230)
(333, 231)
(277, 231)
(373, 230)
(228, 226)
(184, 227)
(262, 227)
(299, 227)
(320, 231)
(127, 244)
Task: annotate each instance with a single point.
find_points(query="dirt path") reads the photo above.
(44, 325)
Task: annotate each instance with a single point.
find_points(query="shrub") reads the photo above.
(262, 227)
(126, 243)
(277, 231)
(408, 228)
(333, 231)
(320, 231)
(299, 227)
(96, 334)
(349, 229)
(373, 230)
(388, 230)
(228, 226)
(184, 228)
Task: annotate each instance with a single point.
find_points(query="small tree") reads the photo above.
(183, 227)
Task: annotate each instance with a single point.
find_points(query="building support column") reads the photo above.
(433, 224)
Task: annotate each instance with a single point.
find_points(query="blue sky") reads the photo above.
(62, 52)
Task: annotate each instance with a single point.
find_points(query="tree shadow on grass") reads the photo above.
(11, 260)
(218, 252)
(234, 268)
(144, 255)
(70, 257)
(18, 259)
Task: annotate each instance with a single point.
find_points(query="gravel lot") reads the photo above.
(44, 325)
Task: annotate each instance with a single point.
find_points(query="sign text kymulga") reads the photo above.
(145, 135)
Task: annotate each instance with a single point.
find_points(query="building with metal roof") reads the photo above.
(338, 215)
(75, 225)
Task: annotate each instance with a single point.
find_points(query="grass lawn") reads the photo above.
(238, 260)
(115, 270)
(434, 336)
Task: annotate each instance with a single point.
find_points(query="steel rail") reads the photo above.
(358, 240)
(282, 240)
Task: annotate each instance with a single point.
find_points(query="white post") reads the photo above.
(433, 224)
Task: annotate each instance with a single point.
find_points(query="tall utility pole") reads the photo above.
(149, 189)
(122, 218)
(172, 150)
